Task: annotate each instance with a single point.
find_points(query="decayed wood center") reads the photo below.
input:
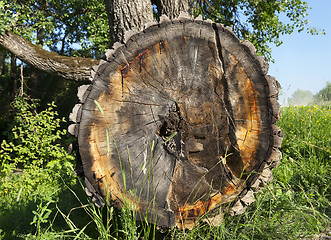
(177, 122)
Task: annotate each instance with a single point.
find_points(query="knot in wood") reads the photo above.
(172, 129)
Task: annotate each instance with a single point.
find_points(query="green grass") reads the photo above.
(296, 205)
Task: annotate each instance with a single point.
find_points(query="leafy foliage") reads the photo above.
(32, 140)
(59, 24)
(324, 95)
(6, 17)
(259, 21)
(32, 162)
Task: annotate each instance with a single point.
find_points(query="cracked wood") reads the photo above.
(187, 120)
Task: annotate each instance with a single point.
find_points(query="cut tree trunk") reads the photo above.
(179, 123)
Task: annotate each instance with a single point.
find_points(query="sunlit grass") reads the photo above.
(295, 206)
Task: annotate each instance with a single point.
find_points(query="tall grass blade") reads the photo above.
(99, 107)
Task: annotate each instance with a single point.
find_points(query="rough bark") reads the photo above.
(2, 59)
(172, 8)
(35, 74)
(126, 15)
(72, 68)
(13, 75)
(178, 122)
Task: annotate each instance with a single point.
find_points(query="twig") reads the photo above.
(84, 206)
(272, 194)
(181, 218)
(22, 82)
(315, 146)
(308, 200)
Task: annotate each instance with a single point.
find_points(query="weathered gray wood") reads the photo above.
(250, 46)
(248, 198)
(264, 64)
(274, 86)
(83, 92)
(73, 129)
(179, 121)
(76, 113)
(237, 209)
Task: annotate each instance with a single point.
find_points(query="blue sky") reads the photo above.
(303, 61)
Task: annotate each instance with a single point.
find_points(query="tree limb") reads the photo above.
(71, 68)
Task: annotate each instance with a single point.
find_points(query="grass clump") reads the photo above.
(306, 148)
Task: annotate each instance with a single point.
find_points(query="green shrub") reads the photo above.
(33, 166)
(33, 137)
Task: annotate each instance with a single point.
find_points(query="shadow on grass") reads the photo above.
(15, 221)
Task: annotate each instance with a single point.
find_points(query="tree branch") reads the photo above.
(71, 68)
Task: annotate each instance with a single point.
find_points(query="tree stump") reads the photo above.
(179, 122)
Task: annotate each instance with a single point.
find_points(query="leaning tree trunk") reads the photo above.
(179, 123)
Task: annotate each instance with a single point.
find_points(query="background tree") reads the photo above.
(301, 97)
(324, 95)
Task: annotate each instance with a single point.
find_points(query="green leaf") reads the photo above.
(170, 137)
